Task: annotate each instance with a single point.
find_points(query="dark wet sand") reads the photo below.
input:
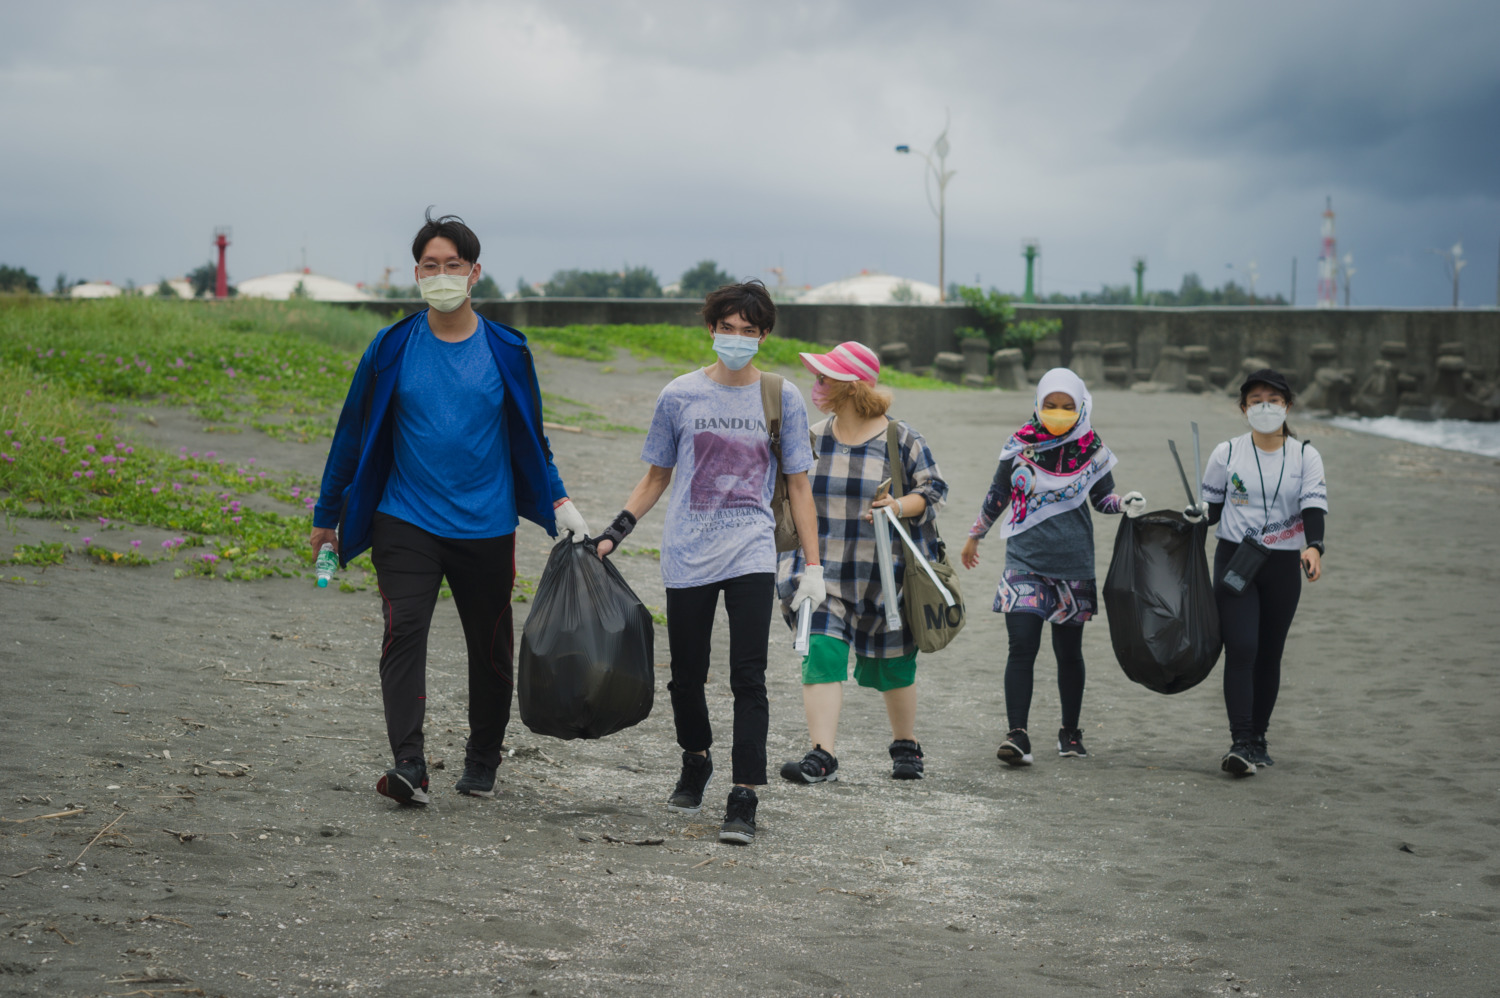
(1367, 862)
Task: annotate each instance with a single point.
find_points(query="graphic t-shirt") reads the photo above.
(1265, 493)
(719, 523)
(451, 475)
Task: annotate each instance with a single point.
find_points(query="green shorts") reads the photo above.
(827, 661)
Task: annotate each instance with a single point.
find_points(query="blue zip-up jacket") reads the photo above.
(363, 451)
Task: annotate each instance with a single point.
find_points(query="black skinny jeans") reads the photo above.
(748, 599)
(412, 563)
(1254, 626)
(1025, 631)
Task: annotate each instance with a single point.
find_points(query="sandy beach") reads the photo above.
(225, 739)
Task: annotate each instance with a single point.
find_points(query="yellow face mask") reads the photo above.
(1058, 421)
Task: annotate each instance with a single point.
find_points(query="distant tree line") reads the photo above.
(15, 280)
(630, 282)
(1191, 294)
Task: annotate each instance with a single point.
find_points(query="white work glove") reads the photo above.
(811, 587)
(1194, 514)
(568, 518)
(1133, 503)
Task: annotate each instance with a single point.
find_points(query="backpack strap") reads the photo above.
(770, 402)
(893, 458)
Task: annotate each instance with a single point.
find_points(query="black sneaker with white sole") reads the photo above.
(478, 780)
(1262, 757)
(906, 760)
(739, 817)
(1016, 749)
(1070, 744)
(405, 783)
(1239, 760)
(815, 767)
(687, 796)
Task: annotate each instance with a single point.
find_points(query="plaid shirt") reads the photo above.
(844, 480)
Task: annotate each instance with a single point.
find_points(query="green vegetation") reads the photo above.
(1192, 294)
(997, 321)
(687, 346)
(631, 282)
(67, 460)
(15, 280)
(281, 368)
(701, 278)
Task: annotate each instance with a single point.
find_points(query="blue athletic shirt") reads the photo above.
(451, 475)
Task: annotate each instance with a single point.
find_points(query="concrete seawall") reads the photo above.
(1282, 336)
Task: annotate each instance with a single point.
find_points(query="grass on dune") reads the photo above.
(689, 346)
(279, 367)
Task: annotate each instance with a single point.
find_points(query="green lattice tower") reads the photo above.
(1030, 251)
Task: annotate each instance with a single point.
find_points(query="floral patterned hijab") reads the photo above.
(1052, 473)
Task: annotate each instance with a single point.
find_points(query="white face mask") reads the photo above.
(735, 350)
(444, 292)
(1266, 417)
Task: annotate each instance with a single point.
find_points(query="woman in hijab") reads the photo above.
(1048, 469)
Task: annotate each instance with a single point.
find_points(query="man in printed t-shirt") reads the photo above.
(719, 536)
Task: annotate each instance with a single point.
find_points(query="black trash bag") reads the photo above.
(587, 663)
(1163, 621)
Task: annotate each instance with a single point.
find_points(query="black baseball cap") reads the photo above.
(1268, 377)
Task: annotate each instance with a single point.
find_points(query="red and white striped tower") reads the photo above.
(1328, 261)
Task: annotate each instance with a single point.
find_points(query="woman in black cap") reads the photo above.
(1266, 491)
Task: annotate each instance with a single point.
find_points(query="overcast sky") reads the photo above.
(595, 135)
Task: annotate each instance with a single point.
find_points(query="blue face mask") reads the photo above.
(734, 350)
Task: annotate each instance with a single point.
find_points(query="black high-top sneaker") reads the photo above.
(687, 796)
(739, 817)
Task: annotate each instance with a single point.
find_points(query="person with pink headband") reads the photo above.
(851, 462)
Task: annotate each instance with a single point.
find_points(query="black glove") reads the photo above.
(620, 529)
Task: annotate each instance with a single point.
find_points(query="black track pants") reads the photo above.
(1025, 631)
(412, 563)
(748, 599)
(1254, 626)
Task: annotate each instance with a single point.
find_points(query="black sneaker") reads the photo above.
(1016, 749)
(478, 780)
(1239, 760)
(739, 817)
(906, 760)
(405, 782)
(687, 796)
(1070, 744)
(1258, 750)
(815, 767)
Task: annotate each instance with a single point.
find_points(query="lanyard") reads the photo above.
(1264, 505)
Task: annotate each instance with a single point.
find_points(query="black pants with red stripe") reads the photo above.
(412, 563)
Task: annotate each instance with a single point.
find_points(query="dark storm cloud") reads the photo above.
(661, 133)
(1401, 99)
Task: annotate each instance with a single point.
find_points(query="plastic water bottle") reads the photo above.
(328, 562)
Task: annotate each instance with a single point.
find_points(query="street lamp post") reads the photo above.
(1252, 274)
(1454, 259)
(1346, 268)
(937, 170)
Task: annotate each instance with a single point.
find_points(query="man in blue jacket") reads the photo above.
(438, 453)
